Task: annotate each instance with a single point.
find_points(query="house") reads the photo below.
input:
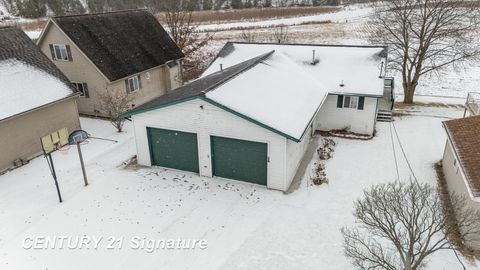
(36, 99)
(354, 77)
(117, 51)
(239, 123)
(251, 116)
(461, 161)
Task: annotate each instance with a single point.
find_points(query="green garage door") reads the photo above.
(239, 160)
(173, 149)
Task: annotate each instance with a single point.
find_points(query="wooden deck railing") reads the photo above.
(473, 103)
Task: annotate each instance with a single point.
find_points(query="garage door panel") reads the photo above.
(174, 149)
(240, 159)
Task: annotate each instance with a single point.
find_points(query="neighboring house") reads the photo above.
(352, 75)
(461, 162)
(123, 51)
(36, 99)
(251, 116)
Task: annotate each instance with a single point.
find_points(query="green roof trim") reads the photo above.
(216, 104)
(225, 108)
(129, 114)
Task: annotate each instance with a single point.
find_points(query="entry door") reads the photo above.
(173, 149)
(239, 159)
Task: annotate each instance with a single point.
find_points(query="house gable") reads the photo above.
(53, 34)
(120, 43)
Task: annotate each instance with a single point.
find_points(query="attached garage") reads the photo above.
(173, 149)
(219, 126)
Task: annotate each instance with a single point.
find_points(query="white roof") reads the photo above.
(24, 87)
(276, 93)
(356, 67)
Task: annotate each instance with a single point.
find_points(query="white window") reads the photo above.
(82, 88)
(350, 102)
(133, 84)
(60, 52)
(455, 165)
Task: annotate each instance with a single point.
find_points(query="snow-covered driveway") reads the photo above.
(246, 226)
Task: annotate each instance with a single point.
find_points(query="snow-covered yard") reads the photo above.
(246, 226)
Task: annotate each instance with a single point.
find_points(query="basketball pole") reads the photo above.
(83, 164)
(54, 174)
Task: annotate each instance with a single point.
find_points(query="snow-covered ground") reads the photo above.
(246, 226)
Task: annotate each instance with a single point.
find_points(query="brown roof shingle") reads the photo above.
(121, 43)
(465, 137)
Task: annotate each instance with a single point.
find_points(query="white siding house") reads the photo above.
(354, 74)
(252, 119)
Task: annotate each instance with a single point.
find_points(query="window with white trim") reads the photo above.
(82, 88)
(350, 102)
(133, 84)
(60, 52)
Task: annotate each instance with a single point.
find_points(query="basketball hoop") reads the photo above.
(78, 136)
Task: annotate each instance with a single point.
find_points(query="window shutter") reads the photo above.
(69, 53)
(85, 90)
(52, 51)
(340, 101)
(140, 82)
(127, 87)
(361, 103)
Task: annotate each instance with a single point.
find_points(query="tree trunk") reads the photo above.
(408, 92)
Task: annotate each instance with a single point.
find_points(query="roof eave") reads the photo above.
(465, 177)
(73, 95)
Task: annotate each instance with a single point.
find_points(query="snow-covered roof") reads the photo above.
(28, 79)
(357, 68)
(259, 89)
(25, 87)
(267, 93)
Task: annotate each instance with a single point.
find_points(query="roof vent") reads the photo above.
(221, 67)
(342, 84)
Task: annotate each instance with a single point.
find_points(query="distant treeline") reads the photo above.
(41, 8)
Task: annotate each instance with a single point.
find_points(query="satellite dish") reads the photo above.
(78, 136)
(147, 75)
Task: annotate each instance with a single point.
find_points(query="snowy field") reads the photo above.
(350, 26)
(246, 226)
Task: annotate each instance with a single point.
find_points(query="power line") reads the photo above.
(403, 151)
(394, 153)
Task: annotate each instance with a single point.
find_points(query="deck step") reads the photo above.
(384, 116)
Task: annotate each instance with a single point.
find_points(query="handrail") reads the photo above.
(473, 102)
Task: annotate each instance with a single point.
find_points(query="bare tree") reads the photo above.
(249, 35)
(425, 36)
(400, 224)
(184, 31)
(280, 34)
(114, 103)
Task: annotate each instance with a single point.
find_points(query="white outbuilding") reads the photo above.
(251, 116)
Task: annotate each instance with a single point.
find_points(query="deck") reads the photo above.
(473, 103)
